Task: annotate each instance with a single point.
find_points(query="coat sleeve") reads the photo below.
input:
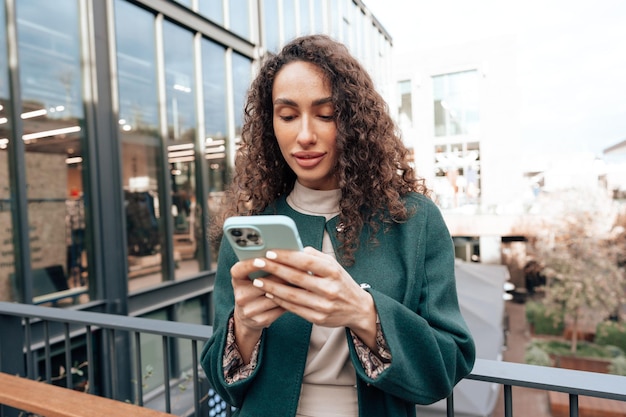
(213, 350)
(431, 346)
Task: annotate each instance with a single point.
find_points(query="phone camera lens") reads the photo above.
(241, 242)
(253, 237)
(236, 232)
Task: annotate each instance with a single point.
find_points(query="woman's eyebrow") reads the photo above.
(290, 102)
(285, 101)
(321, 101)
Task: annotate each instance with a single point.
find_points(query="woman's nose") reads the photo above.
(306, 134)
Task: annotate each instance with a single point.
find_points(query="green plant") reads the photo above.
(544, 320)
(618, 366)
(535, 355)
(76, 370)
(611, 333)
(585, 349)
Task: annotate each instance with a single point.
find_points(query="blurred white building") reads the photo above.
(458, 108)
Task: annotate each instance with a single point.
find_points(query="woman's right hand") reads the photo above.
(253, 310)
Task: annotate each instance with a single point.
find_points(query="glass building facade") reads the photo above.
(119, 121)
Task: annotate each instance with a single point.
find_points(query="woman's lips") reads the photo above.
(308, 159)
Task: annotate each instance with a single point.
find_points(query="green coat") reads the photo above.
(411, 273)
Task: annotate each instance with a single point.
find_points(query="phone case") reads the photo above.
(252, 236)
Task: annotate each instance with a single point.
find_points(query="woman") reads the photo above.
(365, 321)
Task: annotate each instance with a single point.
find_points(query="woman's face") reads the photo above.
(304, 124)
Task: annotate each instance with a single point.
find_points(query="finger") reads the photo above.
(310, 307)
(243, 269)
(281, 274)
(310, 261)
(261, 319)
(253, 303)
(294, 299)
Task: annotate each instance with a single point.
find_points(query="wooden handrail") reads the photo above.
(52, 401)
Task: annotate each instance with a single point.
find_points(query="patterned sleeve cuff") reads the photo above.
(374, 363)
(232, 362)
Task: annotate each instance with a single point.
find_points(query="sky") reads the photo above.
(571, 58)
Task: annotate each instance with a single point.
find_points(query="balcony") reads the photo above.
(106, 356)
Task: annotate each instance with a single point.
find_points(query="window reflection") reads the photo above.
(141, 145)
(242, 68)
(456, 98)
(457, 180)
(181, 127)
(7, 267)
(215, 135)
(52, 114)
(178, 52)
(214, 91)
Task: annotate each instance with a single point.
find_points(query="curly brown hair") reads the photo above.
(372, 166)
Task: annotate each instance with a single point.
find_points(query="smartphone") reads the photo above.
(252, 236)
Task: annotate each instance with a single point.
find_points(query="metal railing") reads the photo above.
(27, 329)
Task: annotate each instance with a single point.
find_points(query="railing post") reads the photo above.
(573, 405)
(508, 400)
(450, 405)
(11, 354)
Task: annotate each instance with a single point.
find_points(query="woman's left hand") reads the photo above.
(321, 291)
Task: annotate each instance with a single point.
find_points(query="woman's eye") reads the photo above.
(324, 117)
(287, 118)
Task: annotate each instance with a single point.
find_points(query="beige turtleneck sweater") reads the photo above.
(328, 386)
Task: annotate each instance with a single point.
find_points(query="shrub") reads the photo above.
(585, 349)
(618, 366)
(535, 355)
(543, 320)
(611, 333)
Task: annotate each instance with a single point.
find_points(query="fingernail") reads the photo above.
(259, 263)
(257, 283)
(268, 295)
(271, 254)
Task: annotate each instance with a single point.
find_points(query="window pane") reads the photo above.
(319, 16)
(270, 18)
(336, 18)
(181, 127)
(242, 68)
(456, 103)
(405, 110)
(346, 22)
(457, 178)
(179, 83)
(214, 91)
(305, 17)
(213, 9)
(52, 113)
(240, 17)
(6, 231)
(141, 144)
(289, 19)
